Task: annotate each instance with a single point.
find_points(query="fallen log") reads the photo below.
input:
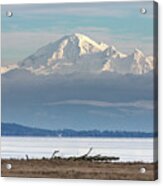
(97, 157)
(86, 155)
(54, 153)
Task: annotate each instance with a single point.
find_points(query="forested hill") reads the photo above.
(12, 129)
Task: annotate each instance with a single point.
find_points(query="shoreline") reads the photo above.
(66, 158)
(78, 169)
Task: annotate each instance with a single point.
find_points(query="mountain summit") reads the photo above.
(71, 47)
(79, 53)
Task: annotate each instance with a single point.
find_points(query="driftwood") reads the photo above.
(26, 156)
(97, 157)
(86, 157)
(54, 153)
(102, 158)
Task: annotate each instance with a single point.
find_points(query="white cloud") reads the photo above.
(137, 104)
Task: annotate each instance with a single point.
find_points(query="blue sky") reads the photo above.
(33, 26)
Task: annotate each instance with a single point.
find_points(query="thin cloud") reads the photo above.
(77, 9)
(138, 104)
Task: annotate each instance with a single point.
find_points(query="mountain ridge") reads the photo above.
(79, 53)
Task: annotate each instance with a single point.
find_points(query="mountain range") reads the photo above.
(78, 53)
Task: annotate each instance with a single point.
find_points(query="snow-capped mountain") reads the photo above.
(7, 68)
(136, 63)
(79, 53)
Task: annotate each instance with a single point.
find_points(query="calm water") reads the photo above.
(128, 149)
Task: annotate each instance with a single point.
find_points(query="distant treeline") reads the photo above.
(12, 129)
